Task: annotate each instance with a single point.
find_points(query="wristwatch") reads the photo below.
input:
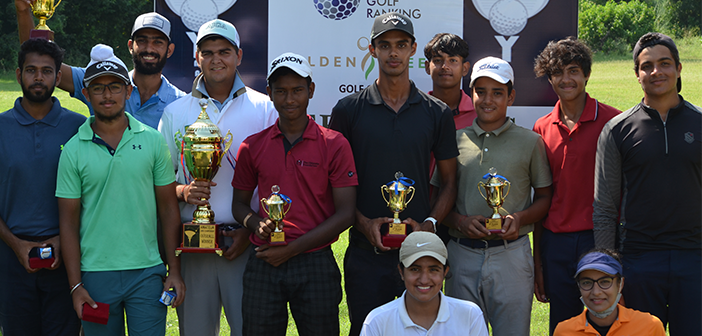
(433, 222)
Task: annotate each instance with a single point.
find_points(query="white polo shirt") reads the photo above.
(248, 113)
(456, 317)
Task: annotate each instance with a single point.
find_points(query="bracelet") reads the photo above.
(75, 287)
(246, 219)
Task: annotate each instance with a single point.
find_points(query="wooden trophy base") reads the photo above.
(494, 225)
(200, 238)
(397, 232)
(277, 239)
(42, 34)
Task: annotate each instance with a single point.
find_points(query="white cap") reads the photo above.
(293, 62)
(153, 20)
(220, 28)
(492, 67)
(104, 62)
(422, 244)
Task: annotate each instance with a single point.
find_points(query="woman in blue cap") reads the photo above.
(599, 277)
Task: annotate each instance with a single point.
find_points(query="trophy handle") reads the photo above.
(480, 186)
(56, 5)
(411, 190)
(509, 186)
(383, 190)
(263, 206)
(285, 212)
(228, 141)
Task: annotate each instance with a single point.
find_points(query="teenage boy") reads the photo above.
(392, 126)
(150, 46)
(313, 166)
(570, 133)
(423, 309)
(33, 301)
(496, 270)
(113, 177)
(647, 177)
(214, 282)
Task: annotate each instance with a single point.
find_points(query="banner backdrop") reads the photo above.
(334, 36)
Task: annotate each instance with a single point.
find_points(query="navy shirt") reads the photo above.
(29, 156)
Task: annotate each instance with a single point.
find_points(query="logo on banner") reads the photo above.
(508, 18)
(363, 47)
(336, 9)
(194, 13)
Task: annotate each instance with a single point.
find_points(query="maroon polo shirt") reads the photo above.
(463, 117)
(571, 155)
(320, 161)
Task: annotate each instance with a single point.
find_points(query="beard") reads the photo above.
(107, 118)
(151, 68)
(37, 97)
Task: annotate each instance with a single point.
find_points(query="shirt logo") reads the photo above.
(136, 146)
(350, 174)
(689, 137)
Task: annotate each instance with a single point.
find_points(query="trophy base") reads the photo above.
(42, 34)
(494, 225)
(41, 263)
(392, 240)
(277, 239)
(200, 238)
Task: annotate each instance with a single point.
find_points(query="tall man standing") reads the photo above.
(496, 270)
(391, 126)
(214, 282)
(150, 46)
(113, 178)
(33, 301)
(648, 177)
(570, 133)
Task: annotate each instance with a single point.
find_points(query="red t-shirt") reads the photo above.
(322, 160)
(464, 118)
(571, 155)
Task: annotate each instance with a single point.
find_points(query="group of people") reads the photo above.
(106, 191)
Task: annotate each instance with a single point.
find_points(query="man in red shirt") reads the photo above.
(314, 167)
(570, 133)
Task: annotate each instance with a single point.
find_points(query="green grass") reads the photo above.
(612, 81)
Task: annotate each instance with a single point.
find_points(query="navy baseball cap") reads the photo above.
(599, 261)
(391, 21)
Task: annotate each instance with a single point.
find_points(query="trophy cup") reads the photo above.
(397, 191)
(274, 207)
(43, 10)
(494, 188)
(202, 153)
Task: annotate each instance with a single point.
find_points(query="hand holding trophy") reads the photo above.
(202, 152)
(274, 207)
(43, 10)
(397, 192)
(494, 188)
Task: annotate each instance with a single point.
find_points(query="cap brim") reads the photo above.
(391, 29)
(407, 262)
(300, 72)
(200, 39)
(496, 77)
(597, 267)
(87, 80)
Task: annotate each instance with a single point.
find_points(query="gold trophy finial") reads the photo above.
(495, 197)
(44, 10)
(274, 207)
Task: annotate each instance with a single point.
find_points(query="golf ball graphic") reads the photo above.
(508, 17)
(195, 14)
(336, 9)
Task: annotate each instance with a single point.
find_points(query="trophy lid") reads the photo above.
(401, 183)
(276, 197)
(203, 128)
(494, 180)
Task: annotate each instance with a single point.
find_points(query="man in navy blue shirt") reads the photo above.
(33, 301)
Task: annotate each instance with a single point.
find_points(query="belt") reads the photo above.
(482, 243)
(35, 238)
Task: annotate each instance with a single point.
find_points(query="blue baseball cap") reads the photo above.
(599, 261)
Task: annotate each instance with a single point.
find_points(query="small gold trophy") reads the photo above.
(43, 10)
(274, 207)
(494, 188)
(397, 191)
(202, 153)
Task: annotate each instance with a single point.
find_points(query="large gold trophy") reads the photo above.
(274, 207)
(43, 10)
(202, 150)
(397, 192)
(495, 190)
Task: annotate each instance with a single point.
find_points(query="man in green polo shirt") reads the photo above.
(113, 176)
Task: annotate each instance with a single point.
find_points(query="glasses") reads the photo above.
(99, 89)
(587, 284)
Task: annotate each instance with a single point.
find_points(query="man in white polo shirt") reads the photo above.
(423, 309)
(212, 281)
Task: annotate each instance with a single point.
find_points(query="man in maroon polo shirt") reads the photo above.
(570, 133)
(314, 167)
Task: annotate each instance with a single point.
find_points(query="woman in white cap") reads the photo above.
(423, 309)
(599, 277)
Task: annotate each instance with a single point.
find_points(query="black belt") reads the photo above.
(483, 244)
(35, 238)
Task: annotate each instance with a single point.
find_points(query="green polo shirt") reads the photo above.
(116, 191)
(517, 153)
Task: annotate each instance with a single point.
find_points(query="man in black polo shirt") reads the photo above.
(647, 185)
(391, 126)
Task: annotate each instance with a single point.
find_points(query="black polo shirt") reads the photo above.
(384, 142)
